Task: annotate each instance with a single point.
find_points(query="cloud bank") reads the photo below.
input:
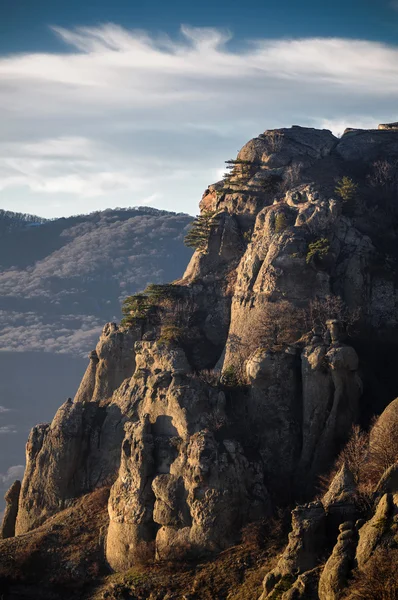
(123, 117)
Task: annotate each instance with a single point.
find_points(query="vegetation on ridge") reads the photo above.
(201, 228)
(318, 250)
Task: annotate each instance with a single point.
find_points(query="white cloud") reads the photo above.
(5, 429)
(13, 473)
(27, 332)
(124, 117)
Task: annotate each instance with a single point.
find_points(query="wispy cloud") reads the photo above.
(13, 473)
(5, 429)
(125, 116)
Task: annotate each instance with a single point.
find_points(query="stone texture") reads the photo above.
(331, 392)
(389, 481)
(11, 510)
(306, 543)
(305, 587)
(341, 490)
(378, 529)
(388, 126)
(110, 364)
(179, 491)
(275, 383)
(80, 449)
(337, 569)
(368, 145)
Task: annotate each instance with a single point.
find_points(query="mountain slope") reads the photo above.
(59, 281)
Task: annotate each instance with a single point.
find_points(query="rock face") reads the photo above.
(314, 530)
(331, 531)
(378, 530)
(299, 439)
(180, 485)
(80, 449)
(388, 126)
(192, 456)
(10, 513)
(334, 576)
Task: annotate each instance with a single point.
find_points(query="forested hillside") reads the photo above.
(60, 280)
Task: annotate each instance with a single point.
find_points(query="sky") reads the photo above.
(126, 103)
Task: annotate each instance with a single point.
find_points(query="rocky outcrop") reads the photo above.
(331, 392)
(378, 529)
(306, 543)
(389, 481)
(388, 126)
(11, 510)
(192, 457)
(110, 363)
(314, 530)
(80, 449)
(182, 488)
(76, 453)
(335, 574)
(317, 393)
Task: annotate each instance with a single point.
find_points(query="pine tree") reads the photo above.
(346, 188)
(280, 222)
(135, 308)
(198, 236)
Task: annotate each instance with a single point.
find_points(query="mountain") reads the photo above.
(12, 221)
(221, 401)
(59, 281)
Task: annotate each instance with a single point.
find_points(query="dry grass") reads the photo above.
(65, 553)
(368, 455)
(378, 580)
(64, 559)
(235, 574)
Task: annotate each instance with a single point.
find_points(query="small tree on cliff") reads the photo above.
(135, 308)
(198, 236)
(346, 188)
(321, 310)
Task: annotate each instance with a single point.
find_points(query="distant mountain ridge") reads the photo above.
(60, 280)
(10, 221)
(70, 274)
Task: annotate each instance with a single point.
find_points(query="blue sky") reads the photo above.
(24, 23)
(123, 103)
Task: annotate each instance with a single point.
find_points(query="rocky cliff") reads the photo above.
(226, 394)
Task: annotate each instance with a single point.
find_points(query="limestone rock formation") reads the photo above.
(179, 488)
(10, 513)
(388, 126)
(389, 481)
(314, 526)
(110, 363)
(273, 346)
(377, 529)
(80, 449)
(334, 576)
